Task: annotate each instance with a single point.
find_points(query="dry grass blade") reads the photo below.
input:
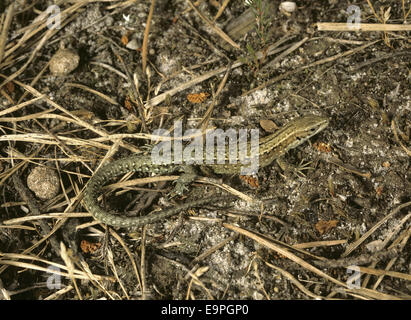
(283, 252)
(70, 267)
(401, 241)
(57, 106)
(394, 129)
(284, 54)
(195, 278)
(213, 249)
(95, 279)
(405, 14)
(78, 120)
(45, 138)
(40, 23)
(56, 295)
(221, 9)
(227, 188)
(110, 68)
(130, 256)
(216, 29)
(5, 30)
(360, 292)
(298, 284)
(272, 49)
(46, 36)
(310, 65)
(114, 269)
(15, 155)
(101, 95)
(143, 262)
(4, 294)
(146, 35)
(78, 274)
(373, 11)
(354, 245)
(7, 174)
(122, 4)
(319, 244)
(378, 272)
(34, 81)
(31, 266)
(364, 27)
(204, 122)
(21, 105)
(133, 182)
(13, 222)
(18, 226)
(161, 97)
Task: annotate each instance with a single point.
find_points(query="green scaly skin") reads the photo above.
(271, 147)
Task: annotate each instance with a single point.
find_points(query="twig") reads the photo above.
(146, 34)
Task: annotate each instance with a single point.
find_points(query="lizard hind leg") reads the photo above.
(181, 184)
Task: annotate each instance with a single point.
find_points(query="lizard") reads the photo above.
(270, 148)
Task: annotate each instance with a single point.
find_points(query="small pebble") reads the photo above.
(133, 45)
(44, 182)
(64, 61)
(375, 246)
(288, 7)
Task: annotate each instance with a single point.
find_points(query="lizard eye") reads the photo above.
(313, 129)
